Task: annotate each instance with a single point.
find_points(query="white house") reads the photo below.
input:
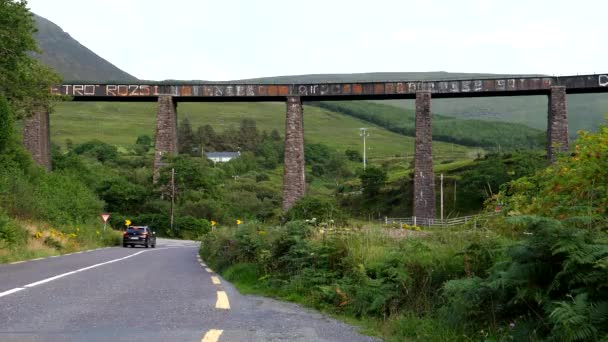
(222, 157)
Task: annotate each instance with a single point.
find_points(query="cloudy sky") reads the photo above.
(235, 39)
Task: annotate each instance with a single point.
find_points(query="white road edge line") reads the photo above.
(222, 301)
(208, 270)
(80, 270)
(215, 280)
(17, 262)
(6, 293)
(212, 335)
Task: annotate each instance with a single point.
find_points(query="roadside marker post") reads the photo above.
(105, 217)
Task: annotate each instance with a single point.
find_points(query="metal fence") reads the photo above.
(427, 222)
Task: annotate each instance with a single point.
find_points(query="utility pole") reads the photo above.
(363, 132)
(442, 197)
(172, 196)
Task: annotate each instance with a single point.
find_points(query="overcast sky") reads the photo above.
(224, 40)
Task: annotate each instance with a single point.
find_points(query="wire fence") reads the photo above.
(428, 222)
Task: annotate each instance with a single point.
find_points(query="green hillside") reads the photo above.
(486, 134)
(121, 123)
(585, 111)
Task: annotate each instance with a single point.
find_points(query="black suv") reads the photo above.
(139, 235)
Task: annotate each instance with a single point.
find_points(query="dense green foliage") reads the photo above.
(553, 284)
(487, 134)
(23, 80)
(510, 277)
(574, 186)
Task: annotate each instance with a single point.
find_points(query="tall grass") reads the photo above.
(362, 273)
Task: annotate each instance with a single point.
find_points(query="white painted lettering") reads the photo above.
(324, 89)
(229, 91)
(144, 90)
(478, 85)
(78, 89)
(110, 90)
(511, 84)
(133, 90)
(89, 89)
(454, 87)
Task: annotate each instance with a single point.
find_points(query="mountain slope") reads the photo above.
(487, 134)
(585, 111)
(71, 59)
(121, 124)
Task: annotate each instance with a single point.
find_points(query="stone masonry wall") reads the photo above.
(557, 126)
(36, 137)
(294, 184)
(166, 132)
(424, 178)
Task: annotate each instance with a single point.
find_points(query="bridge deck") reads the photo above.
(222, 91)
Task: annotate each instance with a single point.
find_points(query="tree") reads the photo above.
(186, 139)
(249, 136)
(372, 180)
(98, 150)
(6, 124)
(208, 138)
(353, 155)
(23, 80)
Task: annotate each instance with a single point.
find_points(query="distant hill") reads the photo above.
(585, 111)
(375, 76)
(71, 59)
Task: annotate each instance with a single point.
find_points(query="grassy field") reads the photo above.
(121, 123)
(585, 111)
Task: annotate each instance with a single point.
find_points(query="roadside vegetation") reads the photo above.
(538, 271)
(40, 213)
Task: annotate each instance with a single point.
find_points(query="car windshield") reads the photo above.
(136, 230)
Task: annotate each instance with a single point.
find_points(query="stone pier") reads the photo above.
(166, 132)
(37, 137)
(557, 126)
(294, 184)
(424, 178)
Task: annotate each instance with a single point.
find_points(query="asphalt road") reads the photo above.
(138, 294)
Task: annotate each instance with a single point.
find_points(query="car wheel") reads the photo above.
(147, 244)
(124, 245)
(154, 245)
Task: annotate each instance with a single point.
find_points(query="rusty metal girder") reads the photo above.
(392, 89)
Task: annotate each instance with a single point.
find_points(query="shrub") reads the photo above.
(11, 234)
(323, 209)
(191, 228)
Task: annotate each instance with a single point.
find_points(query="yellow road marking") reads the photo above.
(208, 270)
(212, 335)
(222, 301)
(215, 280)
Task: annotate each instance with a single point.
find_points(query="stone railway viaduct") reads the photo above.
(169, 94)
